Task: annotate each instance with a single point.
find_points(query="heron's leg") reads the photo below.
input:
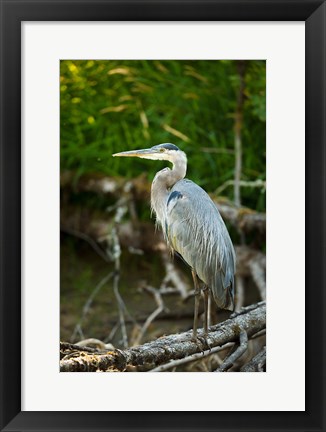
(206, 318)
(197, 298)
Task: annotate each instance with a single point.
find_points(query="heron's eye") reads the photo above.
(162, 150)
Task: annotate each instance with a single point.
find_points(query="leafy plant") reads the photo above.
(109, 106)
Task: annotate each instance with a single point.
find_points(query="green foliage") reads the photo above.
(111, 106)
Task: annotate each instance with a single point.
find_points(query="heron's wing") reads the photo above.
(194, 229)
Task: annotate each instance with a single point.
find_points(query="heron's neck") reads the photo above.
(162, 183)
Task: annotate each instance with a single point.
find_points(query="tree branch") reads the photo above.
(191, 358)
(172, 347)
(235, 353)
(256, 364)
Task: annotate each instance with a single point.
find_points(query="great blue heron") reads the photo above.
(192, 227)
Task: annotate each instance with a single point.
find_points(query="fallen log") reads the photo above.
(250, 320)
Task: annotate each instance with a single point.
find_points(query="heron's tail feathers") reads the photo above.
(223, 296)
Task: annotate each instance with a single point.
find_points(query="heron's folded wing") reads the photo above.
(194, 228)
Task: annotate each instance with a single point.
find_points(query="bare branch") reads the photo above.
(240, 292)
(191, 358)
(87, 305)
(172, 274)
(238, 123)
(235, 353)
(259, 334)
(257, 364)
(251, 262)
(252, 184)
(88, 239)
(160, 307)
(95, 343)
(242, 218)
(258, 267)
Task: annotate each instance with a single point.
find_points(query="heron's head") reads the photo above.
(166, 151)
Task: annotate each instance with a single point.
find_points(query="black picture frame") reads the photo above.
(13, 13)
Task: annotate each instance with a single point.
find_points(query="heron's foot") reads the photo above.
(207, 344)
(201, 342)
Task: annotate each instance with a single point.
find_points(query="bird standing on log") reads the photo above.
(193, 228)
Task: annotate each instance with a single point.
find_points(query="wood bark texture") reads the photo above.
(249, 320)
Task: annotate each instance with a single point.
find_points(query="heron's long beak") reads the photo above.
(145, 153)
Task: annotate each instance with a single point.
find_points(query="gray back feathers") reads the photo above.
(195, 229)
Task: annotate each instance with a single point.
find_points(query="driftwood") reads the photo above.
(251, 262)
(248, 321)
